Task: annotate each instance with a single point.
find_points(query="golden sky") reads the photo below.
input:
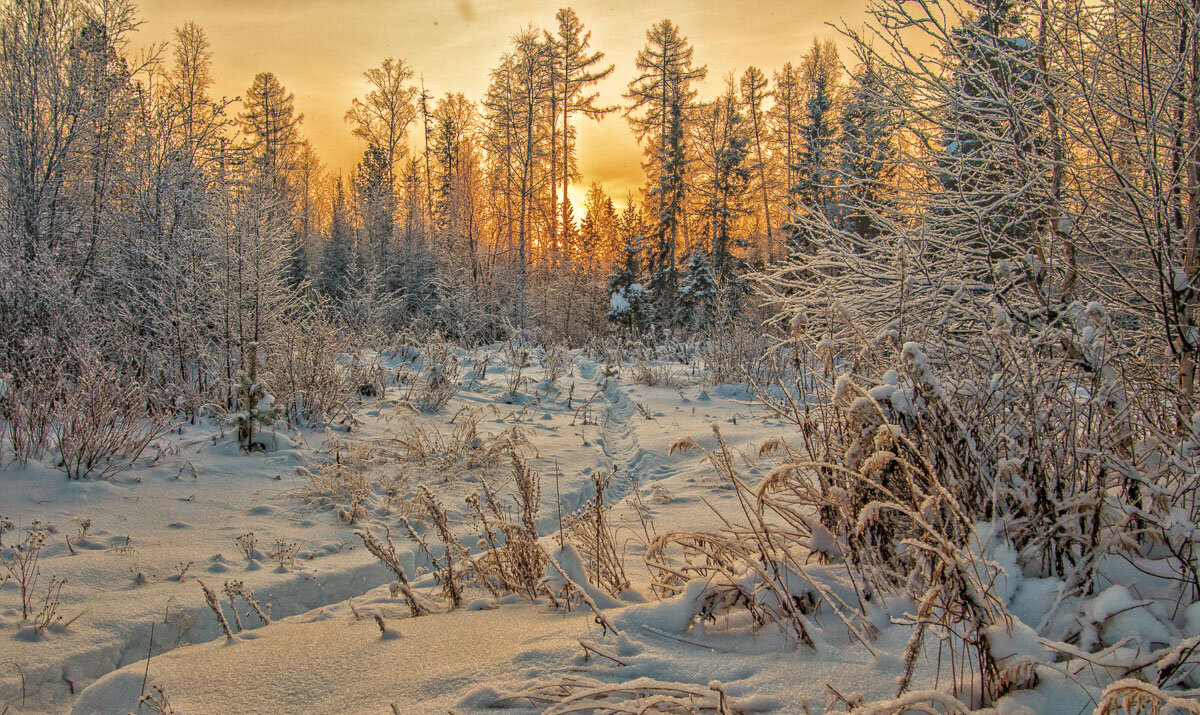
(319, 49)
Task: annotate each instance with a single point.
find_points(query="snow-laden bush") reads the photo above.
(309, 385)
(26, 416)
(951, 471)
(442, 369)
(100, 423)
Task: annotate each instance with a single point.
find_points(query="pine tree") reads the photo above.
(455, 172)
(698, 292)
(453, 121)
(573, 71)
(338, 253)
(518, 103)
(995, 113)
(785, 118)
(255, 407)
(598, 229)
(660, 97)
(814, 162)
(629, 302)
(309, 174)
(724, 178)
(867, 154)
(753, 93)
(272, 129)
(376, 208)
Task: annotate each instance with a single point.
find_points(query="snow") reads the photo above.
(618, 304)
(347, 666)
(196, 491)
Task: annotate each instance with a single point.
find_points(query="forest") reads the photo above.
(878, 396)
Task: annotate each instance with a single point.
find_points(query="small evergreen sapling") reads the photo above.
(257, 406)
(629, 301)
(698, 293)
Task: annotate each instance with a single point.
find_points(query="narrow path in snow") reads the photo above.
(628, 461)
(619, 441)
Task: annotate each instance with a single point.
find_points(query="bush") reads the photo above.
(309, 384)
(25, 415)
(101, 425)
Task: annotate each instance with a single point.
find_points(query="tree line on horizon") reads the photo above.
(457, 211)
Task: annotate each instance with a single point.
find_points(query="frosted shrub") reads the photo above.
(734, 347)
(653, 374)
(555, 362)
(442, 369)
(385, 551)
(22, 563)
(941, 470)
(454, 558)
(101, 425)
(512, 559)
(26, 415)
(589, 528)
(308, 382)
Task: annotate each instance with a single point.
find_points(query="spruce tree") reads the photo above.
(994, 147)
(698, 292)
(660, 97)
(867, 154)
(629, 301)
(377, 209)
(338, 253)
(725, 175)
(814, 161)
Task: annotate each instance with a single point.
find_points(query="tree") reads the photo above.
(191, 81)
(376, 203)
(785, 119)
(630, 303)
(814, 162)
(598, 230)
(272, 129)
(518, 102)
(573, 71)
(309, 175)
(724, 175)
(753, 94)
(455, 179)
(698, 292)
(101, 80)
(338, 252)
(59, 76)
(454, 120)
(994, 113)
(660, 96)
(867, 154)
(382, 117)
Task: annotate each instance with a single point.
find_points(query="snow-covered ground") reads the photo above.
(158, 530)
